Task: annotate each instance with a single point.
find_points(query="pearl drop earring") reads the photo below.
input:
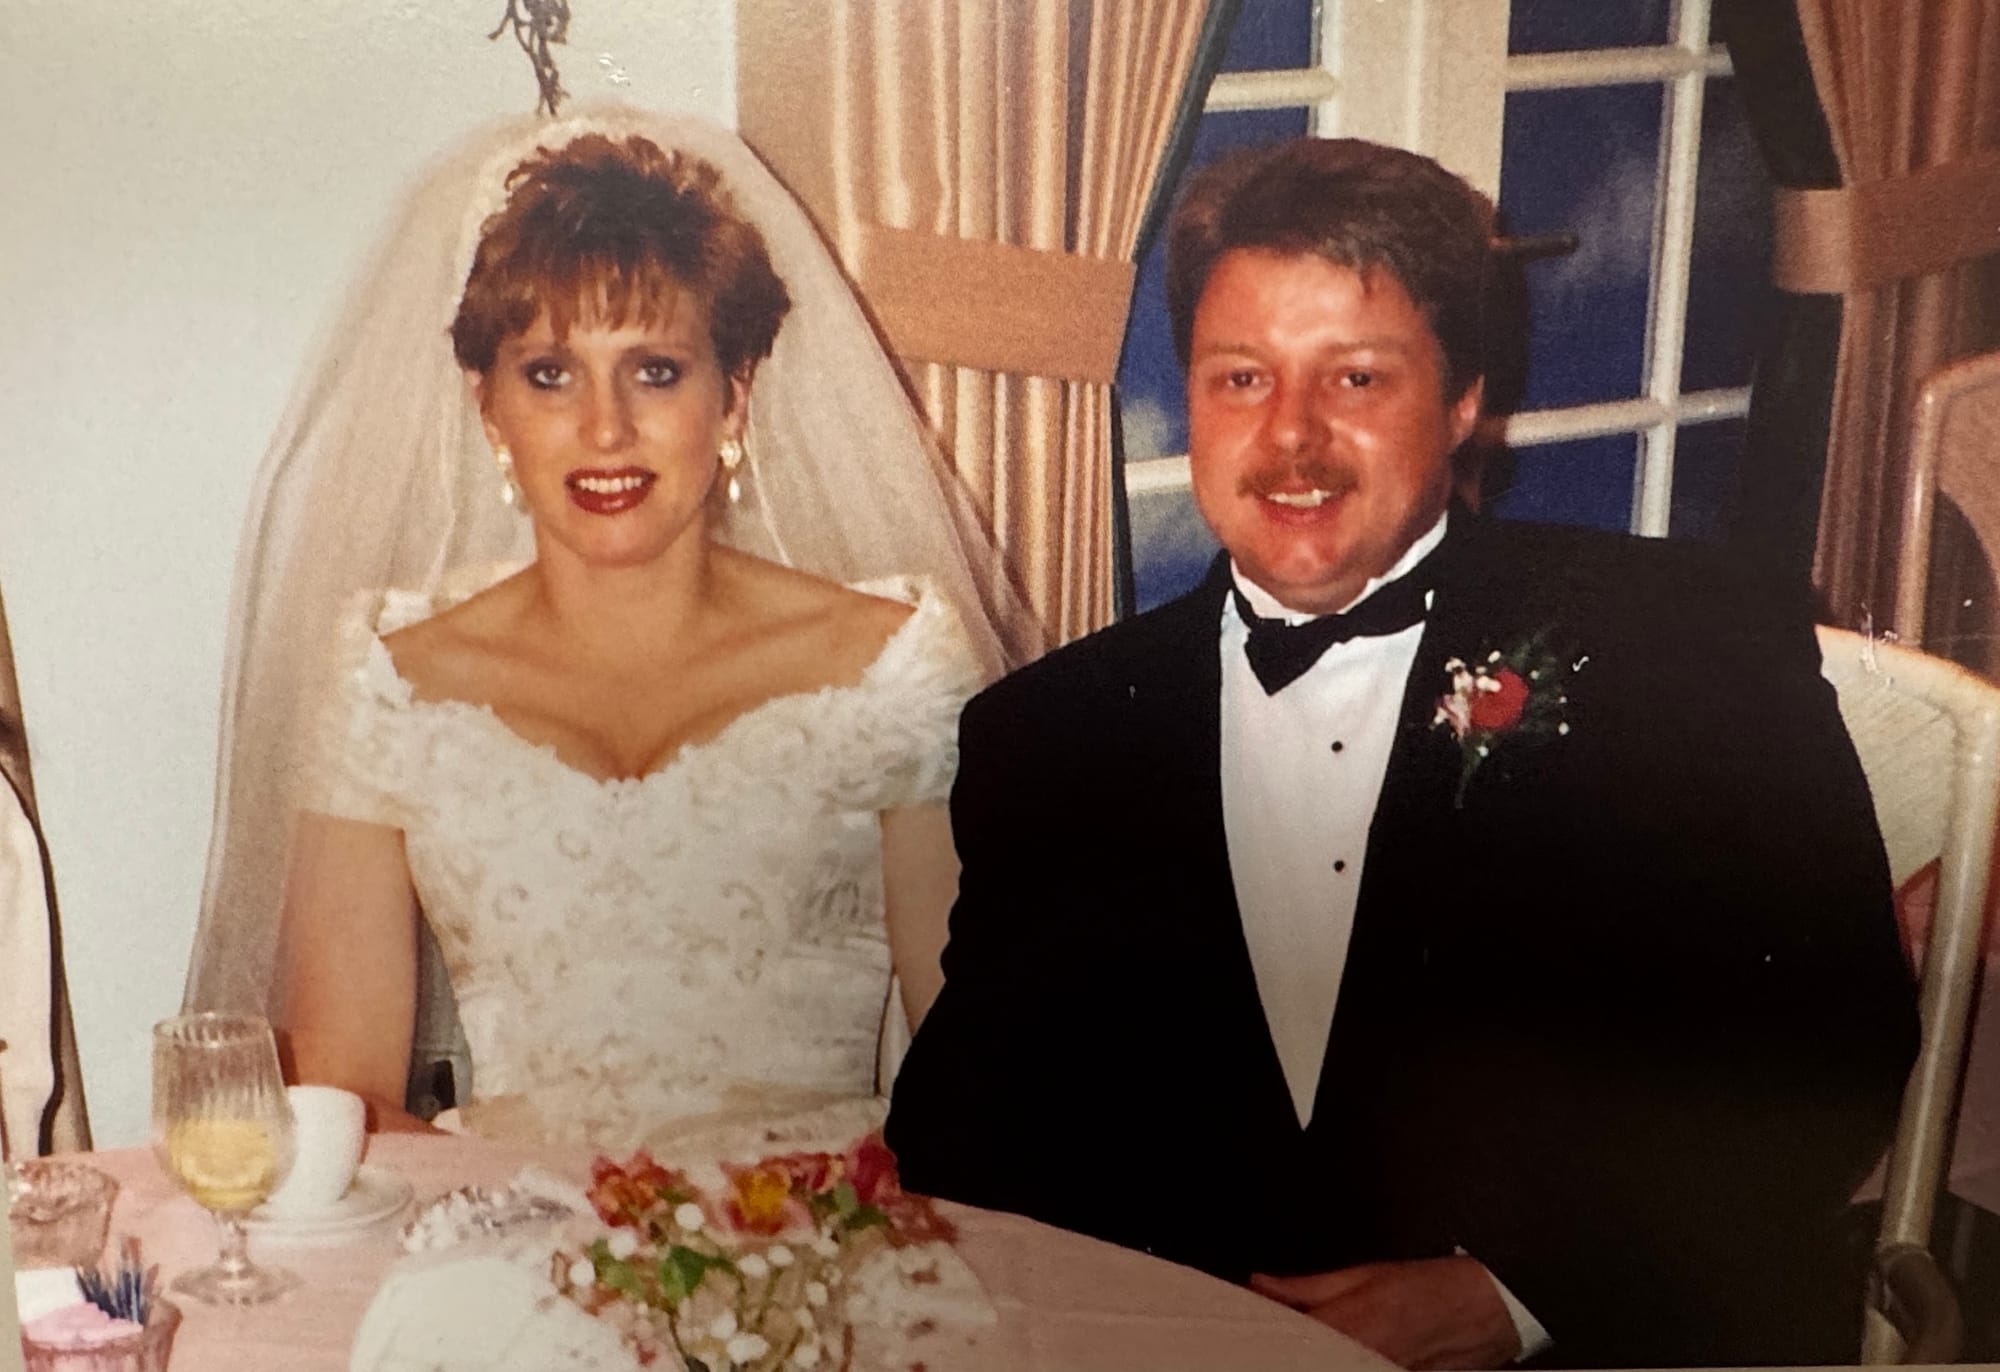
(732, 456)
(510, 486)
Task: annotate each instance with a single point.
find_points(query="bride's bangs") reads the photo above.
(600, 293)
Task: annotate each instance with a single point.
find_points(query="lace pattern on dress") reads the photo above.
(629, 952)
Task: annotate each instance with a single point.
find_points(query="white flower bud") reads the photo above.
(806, 1355)
(623, 1243)
(816, 1295)
(826, 1247)
(582, 1274)
(723, 1326)
(778, 1255)
(753, 1266)
(746, 1348)
(689, 1217)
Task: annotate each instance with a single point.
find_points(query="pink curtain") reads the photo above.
(1911, 95)
(982, 166)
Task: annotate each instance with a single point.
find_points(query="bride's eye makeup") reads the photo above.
(659, 371)
(544, 373)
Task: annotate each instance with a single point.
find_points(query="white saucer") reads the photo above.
(378, 1194)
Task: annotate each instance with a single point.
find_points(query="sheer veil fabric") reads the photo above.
(380, 476)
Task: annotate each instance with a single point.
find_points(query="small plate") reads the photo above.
(378, 1193)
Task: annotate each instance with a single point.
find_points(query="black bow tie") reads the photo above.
(1281, 653)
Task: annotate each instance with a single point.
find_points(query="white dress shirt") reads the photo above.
(1302, 771)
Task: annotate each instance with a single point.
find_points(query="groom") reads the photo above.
(1473, 934)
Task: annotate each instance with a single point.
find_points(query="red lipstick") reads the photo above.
(609, 491)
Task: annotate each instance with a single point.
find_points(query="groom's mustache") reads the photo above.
(1334, 478)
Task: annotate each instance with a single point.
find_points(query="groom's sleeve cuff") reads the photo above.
(1534, 1338)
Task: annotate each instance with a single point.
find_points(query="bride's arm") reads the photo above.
(919, 883)
(350, 961)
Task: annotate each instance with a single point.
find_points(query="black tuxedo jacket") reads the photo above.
(1628, 1026)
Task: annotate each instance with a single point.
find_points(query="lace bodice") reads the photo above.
(705, 939)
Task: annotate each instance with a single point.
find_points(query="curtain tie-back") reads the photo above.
(1873, 233)
(994, 307)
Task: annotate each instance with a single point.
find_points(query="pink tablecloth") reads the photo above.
(1066, 1303)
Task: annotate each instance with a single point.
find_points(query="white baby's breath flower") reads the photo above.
(779, 1256)
(746, 1348)
(826, 1247)
(689, 1217)
(723, 1326)
(623, 1243)
(803, 1317)
(753, 1266)
(582, 1274)
(816, 1294)
(806, 1355)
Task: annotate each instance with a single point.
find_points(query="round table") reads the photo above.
(1066, 1303)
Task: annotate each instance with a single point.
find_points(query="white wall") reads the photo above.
(185, 186)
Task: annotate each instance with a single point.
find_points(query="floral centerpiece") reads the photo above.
(751, 1276)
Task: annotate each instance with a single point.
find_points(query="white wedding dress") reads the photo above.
(702, 943)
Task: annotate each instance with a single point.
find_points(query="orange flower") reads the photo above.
(625, 1195)
(762, 1201)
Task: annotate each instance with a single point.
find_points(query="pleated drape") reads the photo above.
(924, 134)
(1904, 88)
(41, 1085)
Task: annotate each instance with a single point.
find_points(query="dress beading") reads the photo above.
(706, 940)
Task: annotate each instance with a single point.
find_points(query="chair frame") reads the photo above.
(1954, 450)
(1918, 1157)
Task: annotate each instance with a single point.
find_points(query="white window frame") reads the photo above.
(1433, 76)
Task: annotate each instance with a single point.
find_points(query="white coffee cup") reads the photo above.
(330, 1128)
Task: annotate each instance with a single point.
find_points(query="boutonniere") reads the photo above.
(1518, 693)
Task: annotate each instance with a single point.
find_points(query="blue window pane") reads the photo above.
(1271, 35)
(1584, 162)
(1171, 547)
(1153, 401)
(1729, 291)
(1584, 481)
(1579, 25)
(1708, 460)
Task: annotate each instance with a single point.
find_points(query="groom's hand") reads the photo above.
(1431, 1313)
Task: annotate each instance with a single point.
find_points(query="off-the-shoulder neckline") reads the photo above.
(380, 666)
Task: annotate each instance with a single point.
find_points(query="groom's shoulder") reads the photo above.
(1104, 665)
(1661, 584)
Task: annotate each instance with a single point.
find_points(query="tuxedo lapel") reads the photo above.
(1176, 689)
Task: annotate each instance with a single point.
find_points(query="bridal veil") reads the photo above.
(380, 476)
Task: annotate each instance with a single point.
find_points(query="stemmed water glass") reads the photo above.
(222, 1129)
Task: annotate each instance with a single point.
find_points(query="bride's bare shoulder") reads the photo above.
(441, 655)
(849, 628)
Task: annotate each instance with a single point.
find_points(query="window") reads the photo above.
(1615, 122)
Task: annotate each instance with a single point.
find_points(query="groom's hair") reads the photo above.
(621, 231)
(1356, 204)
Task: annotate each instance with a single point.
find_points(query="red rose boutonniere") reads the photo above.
(1521, 692)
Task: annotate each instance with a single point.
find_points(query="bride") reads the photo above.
(613, 625)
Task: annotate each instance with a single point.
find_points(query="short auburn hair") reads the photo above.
(617, 228)
(1356, 204)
